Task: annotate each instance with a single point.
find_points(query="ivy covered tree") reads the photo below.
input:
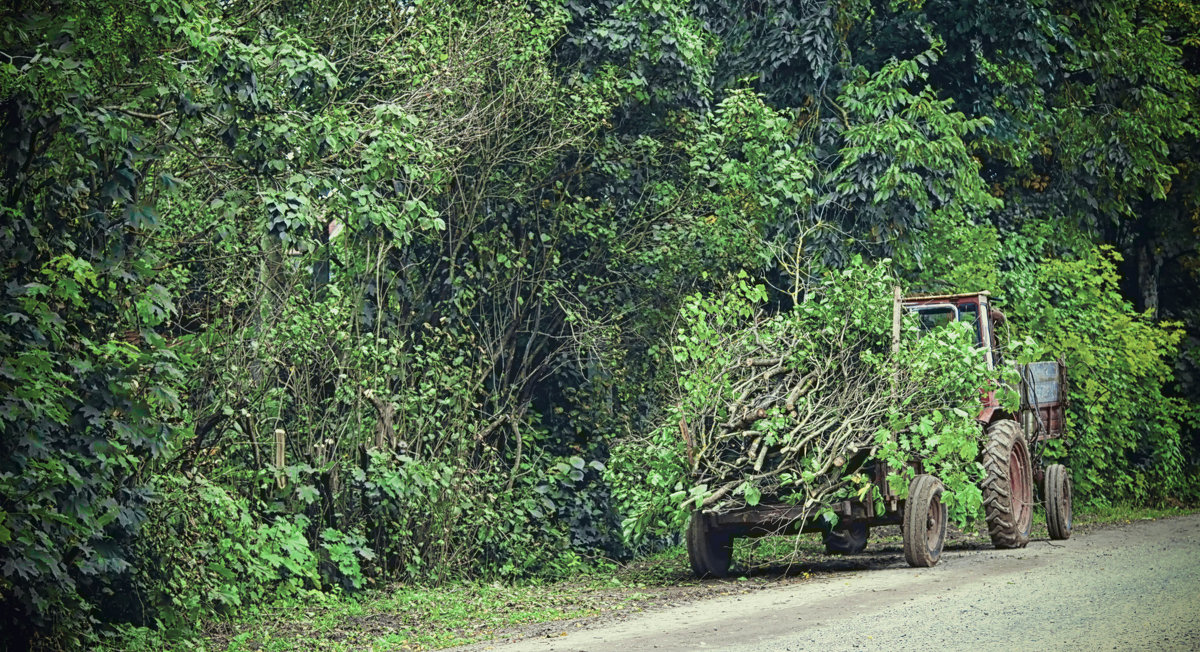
(92, 391)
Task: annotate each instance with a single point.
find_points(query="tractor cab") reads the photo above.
(1042, 384)
(935, 310)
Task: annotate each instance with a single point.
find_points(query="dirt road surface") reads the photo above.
(1129, 587)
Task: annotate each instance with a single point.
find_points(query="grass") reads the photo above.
(411, 618)
(427, 618)
(1114, 514)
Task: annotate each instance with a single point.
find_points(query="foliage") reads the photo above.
(393, 288)
(908, 146)
(937, 424)
(1124, 427)
(221, 558)
(92, 393)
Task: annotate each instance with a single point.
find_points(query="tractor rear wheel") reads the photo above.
(924, 522)
(1008, 485)
(710, 549)
(1057, 492)
(848, 539)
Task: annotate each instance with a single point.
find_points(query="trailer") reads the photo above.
(1011, 459)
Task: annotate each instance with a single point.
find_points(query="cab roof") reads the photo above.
(925, 298)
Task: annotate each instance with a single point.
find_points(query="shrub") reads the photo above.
(1123, 426)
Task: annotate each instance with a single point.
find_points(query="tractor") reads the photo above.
(1011, 459)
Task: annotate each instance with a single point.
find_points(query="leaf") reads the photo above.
(753, 495)
(307, 493)
(108, 516)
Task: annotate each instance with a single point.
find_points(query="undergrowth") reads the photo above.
(426, 618)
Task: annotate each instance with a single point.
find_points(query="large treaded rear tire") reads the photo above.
(1057, 493)
(924, 522)
(1008, 485)
(710, 550)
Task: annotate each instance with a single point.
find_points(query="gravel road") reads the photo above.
(1128, 587)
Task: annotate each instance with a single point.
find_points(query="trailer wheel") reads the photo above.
(924, 522)
(1057, 492)
(847, 540)
(1008, 485)
(710, 550)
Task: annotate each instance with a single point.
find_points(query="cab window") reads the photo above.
(932, 317)
(969, 312)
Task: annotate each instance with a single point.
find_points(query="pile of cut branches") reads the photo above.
(807, 411)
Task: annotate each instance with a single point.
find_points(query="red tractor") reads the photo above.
(1011, 459)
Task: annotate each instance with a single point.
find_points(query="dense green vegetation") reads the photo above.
(313, 295)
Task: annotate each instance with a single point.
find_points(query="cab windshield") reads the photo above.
(931, 317)
(934, 316)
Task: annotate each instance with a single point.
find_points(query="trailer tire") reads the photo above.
(1008, 485)
(924, 522)
(1057, 492)
(710, 550)
(849, 539)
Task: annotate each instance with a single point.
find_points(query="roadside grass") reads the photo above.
(410, 618)
(427, 618)
(1114, 514)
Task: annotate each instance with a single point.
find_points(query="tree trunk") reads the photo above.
(1149, 264)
